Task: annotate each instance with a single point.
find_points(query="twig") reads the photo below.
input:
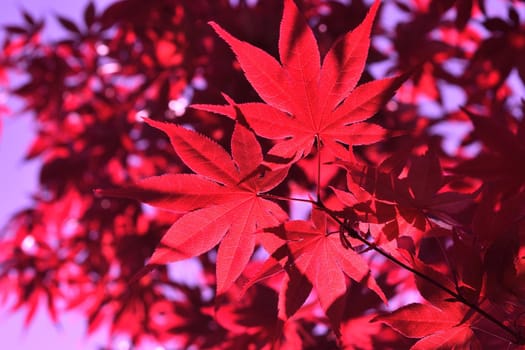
(458, 297)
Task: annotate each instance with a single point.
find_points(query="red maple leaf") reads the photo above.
(312, 257)
(501, 162)
(221, 200)
(405, 205)
(438, 328)
(307, 101)
(442, 324)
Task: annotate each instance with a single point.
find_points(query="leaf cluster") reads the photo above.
(324, 205)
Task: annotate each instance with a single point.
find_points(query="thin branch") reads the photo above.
(318, 145)
(445, 256)
(458, 297)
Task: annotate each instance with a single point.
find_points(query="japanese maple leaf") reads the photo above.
(500, 164)
(221, 200)
(406, 204)
(307, 101)
(441, 324)
(314, 258)
(437, 328)
(419, 196)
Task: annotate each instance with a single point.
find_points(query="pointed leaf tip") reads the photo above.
(228, 99)
(261, 69)
(345, 61)
(154, 123)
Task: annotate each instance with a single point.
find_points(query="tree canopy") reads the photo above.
(302, 157)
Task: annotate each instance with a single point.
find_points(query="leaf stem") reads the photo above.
(354, 234)
(318, 145)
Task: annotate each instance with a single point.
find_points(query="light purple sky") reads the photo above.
(18, 180)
